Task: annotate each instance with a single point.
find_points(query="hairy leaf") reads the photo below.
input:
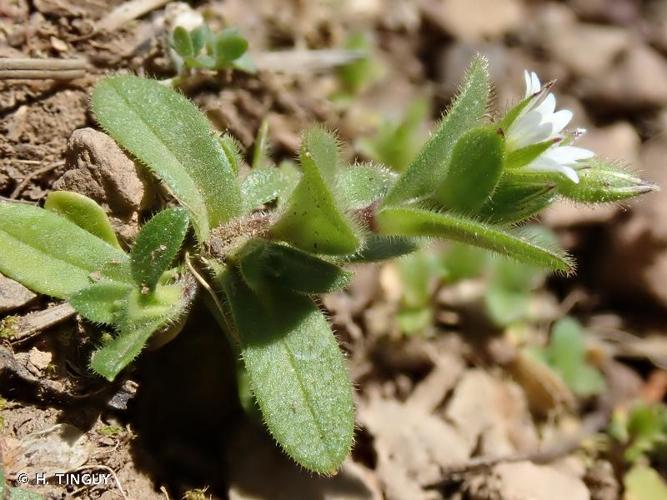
(266, 184)
(378, 247)
(430, 166)
(142, 315)
(418, 222)
(297, 373)
(361, 185)
(290, 268)
(474, 171)
(48, 253)
(101, 302)
(312, 221)
(84, 212)
(157, 244)
(172, 137)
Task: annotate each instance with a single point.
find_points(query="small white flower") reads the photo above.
(538, 122)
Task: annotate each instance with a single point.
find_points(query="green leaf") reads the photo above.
(645, 431)
(321, 147)
(643, 482)
(291, 268)
(378, 247)
(430, 166)
(182, 43)
(417, 222)
(245, 63)
(199, 36)
(297, 373)
(157, 244)
(172, 137)
(516, 198)
(397, 144)
(48, 253)
(232, 149)
(261, 151)
(266, 184)
(84, 212)
(143, 315)
(506, 306)
(312, 221)
(474, 171)
(464, 262)
(566, 354)
(358, 74)
(229, 45)
(601, 182)
(101, 302)
(361, 185)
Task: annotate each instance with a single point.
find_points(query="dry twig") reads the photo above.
(32, 68)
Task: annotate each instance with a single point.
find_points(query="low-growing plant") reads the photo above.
(204, 49)
(263, 246)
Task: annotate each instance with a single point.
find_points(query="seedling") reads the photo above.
(202, 48)
(263, 246)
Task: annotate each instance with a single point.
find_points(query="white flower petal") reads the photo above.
(547, 107)
(535, 83)
(560, 119)
(526, 77)
(528, 129)
(543, 164)
(567, 155)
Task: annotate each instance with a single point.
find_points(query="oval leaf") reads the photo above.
(156, 246)
(84, 212)
(48, 253)
(101, 302)
(296, 371)
(171, 137)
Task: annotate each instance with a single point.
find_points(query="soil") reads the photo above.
(172, 426)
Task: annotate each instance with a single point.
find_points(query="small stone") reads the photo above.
(99, 169)
(474, 20)
(13, 295)
(40, 359)
(58, 44)
(527, 481)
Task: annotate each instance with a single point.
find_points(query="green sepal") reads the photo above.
(405, 221)
(474, 171)
(296, 371)
(290, 268)
(48, 253)
(513, 113)
(84, 212)
(101, 302)
(168, 134)
(430, 166)
(601, 182)
(523, 156)
(517, 198)
(156, 246)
